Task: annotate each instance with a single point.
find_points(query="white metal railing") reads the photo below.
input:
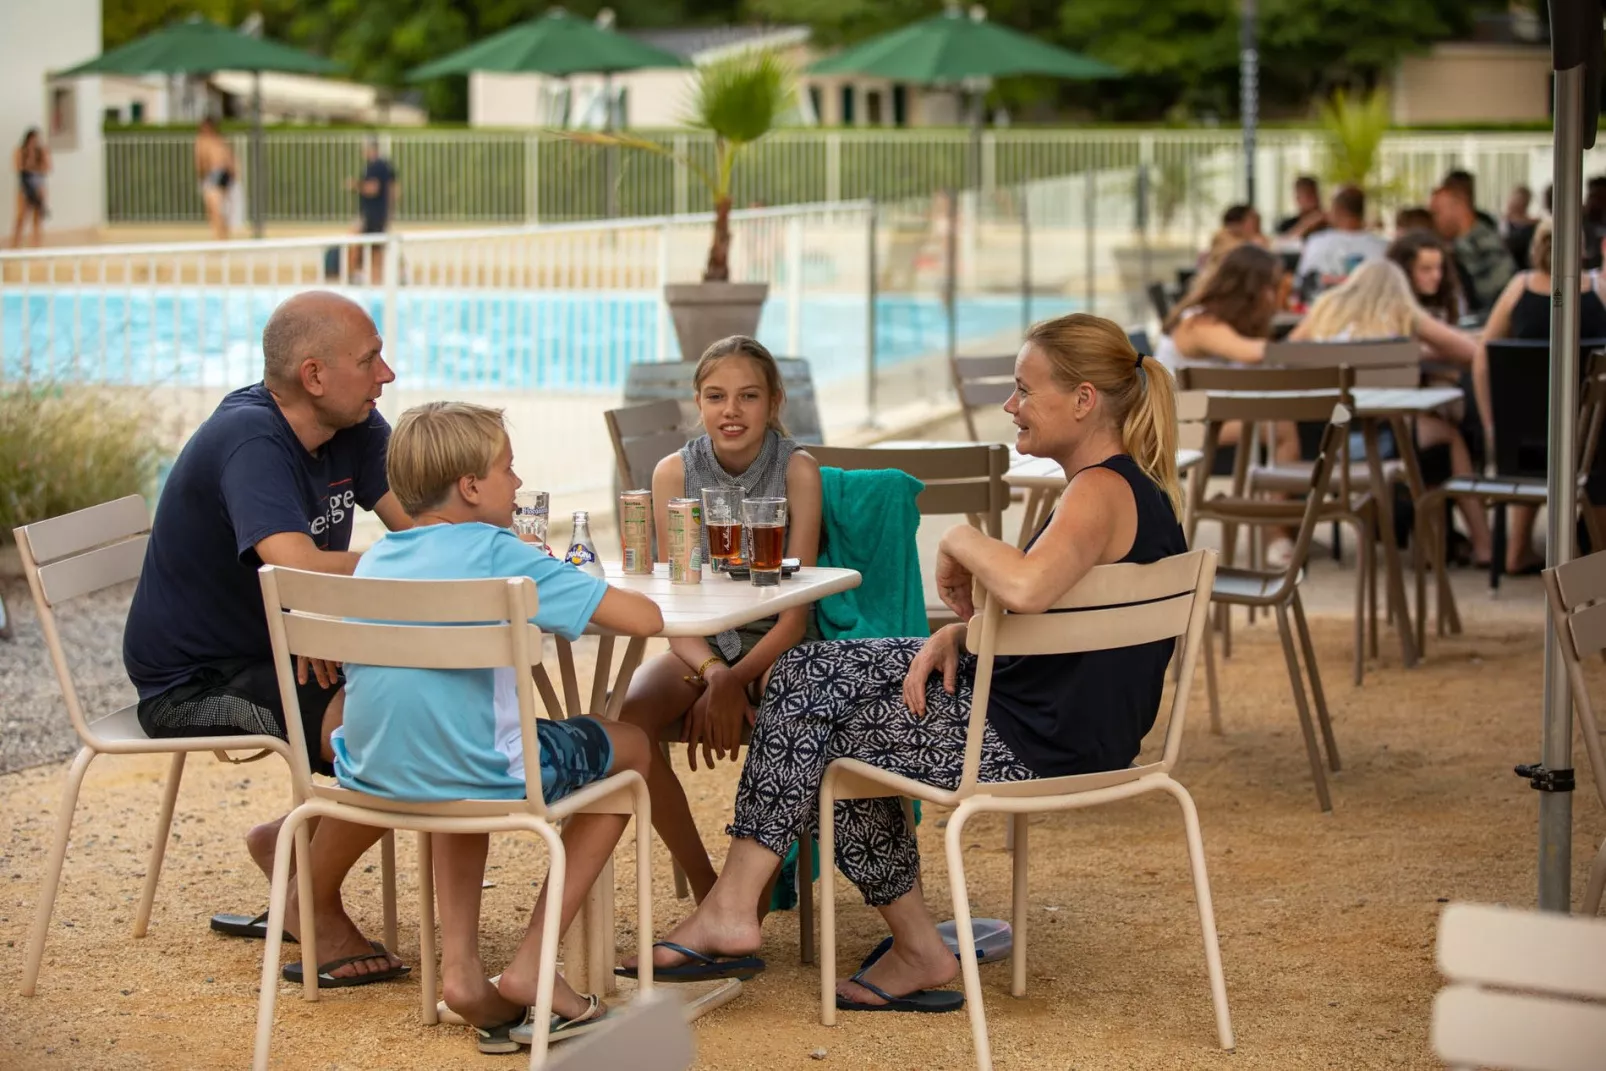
(502, 176)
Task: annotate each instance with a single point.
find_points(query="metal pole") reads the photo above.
(950, 282)
(1556, 803)
(1249, 92)
(610, 153)
(258, 194)
(1025, 261)
(871, 285)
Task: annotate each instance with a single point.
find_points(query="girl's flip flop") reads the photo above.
(701, 968)
(921, 1000)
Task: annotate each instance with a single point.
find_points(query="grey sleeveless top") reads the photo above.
(764, 478)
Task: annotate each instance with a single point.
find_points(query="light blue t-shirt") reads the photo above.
(447, 734)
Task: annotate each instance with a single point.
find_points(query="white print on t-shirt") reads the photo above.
(336, 508)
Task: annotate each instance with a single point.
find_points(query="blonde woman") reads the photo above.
(1376, 302)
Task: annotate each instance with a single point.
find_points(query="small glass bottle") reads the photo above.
(582, 552)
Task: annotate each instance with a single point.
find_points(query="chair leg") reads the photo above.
(164, 825)
(967, 939)
(1296, 681)
(1210, 676)
(644, 930)
(387, 881)
(426, 926)
(1497, 556)
(551, 937)
(682, 888)
(46, 902)
(805, 897)
(1597, 882)
(1207, 912)
(291, 832)
(828, 900)
(1320, 699)
(309, 928)
(1360, 620)
(1017, 922)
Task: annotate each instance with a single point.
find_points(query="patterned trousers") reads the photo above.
(844, 699)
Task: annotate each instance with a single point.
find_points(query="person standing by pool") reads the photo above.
(31, 161)
(377, 190)
(214, 165)
(274, 476)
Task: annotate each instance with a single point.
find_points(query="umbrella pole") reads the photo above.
(610, 153)
(1555, 797)
(256, 155)
(1249, 91)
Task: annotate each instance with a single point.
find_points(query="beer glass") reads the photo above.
(766, 532)
(530, 511)
(722, 518)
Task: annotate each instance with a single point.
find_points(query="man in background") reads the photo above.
(215, 167)
(1481, 256)
(377, 191)
(1308, 217)
(1333, 253)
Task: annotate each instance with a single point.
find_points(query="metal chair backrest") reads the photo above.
(958, 479)
(1576, 591)
(642, 436)
(1139, 338)
(1159, 300)
(1393, 363)
(1112, 606)
(78, 554)
(983, 381)
(1527, 990)
(1519, 402)
(418, 624)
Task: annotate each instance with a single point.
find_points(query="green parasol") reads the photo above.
(556, 44)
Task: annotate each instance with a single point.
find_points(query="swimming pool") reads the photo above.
(572, 341)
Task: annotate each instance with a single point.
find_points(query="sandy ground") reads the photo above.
(1327, 921)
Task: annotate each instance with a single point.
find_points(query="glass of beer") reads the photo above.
(530, 510)
(722, 517)
(766, 533)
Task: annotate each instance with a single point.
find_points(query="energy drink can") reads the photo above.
(635, 531)
(685, 541)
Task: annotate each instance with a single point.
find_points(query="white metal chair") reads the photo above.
(1577, 593)
(78, 554)
(1113, 606)
(1526, 992)
(429, 625)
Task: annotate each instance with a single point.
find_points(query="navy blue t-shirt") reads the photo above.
(375, 210)
(242, 477)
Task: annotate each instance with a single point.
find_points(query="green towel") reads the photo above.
(869, 525)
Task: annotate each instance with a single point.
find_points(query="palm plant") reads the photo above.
(738, 99)
(1353, 129)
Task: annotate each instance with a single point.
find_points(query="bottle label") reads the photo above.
(580, 554)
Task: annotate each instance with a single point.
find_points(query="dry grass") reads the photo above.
(1327, 921)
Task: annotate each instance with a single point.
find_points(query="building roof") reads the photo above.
(701, 42)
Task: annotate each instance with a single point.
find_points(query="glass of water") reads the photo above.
(530, 511)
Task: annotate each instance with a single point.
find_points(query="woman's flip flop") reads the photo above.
(922, 1000)
(326, 971)
(702, 968)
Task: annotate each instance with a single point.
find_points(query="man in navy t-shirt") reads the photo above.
(376, 201)
(273, 476)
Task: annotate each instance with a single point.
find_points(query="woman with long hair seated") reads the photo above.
(1374, 304)
(1523, 312)
(1226, 320)
(1086, 399)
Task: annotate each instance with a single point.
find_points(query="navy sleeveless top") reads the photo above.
(1081, 713)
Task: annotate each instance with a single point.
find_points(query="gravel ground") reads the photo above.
(34, 727)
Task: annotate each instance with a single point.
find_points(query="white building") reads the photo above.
(286, 98)
(658, 99)
(35, 39)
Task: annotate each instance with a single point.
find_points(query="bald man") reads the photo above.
(274, 475)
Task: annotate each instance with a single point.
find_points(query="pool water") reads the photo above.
(579, 341)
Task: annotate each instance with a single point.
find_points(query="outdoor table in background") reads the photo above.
(704, 609)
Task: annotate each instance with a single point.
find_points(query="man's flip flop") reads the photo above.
(702, 968)
(326, 971)
(594, 1016)
(994, 939)
(240, 926)
(922, 1000)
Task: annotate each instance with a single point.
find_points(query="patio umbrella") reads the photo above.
(1575, 42)
(558, 45)
(197, 46)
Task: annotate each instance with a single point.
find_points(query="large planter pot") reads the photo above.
(704, 313)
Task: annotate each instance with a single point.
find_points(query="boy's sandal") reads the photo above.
(559, 1028)
(244, 926)
(326, 971)
(498, 1040)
